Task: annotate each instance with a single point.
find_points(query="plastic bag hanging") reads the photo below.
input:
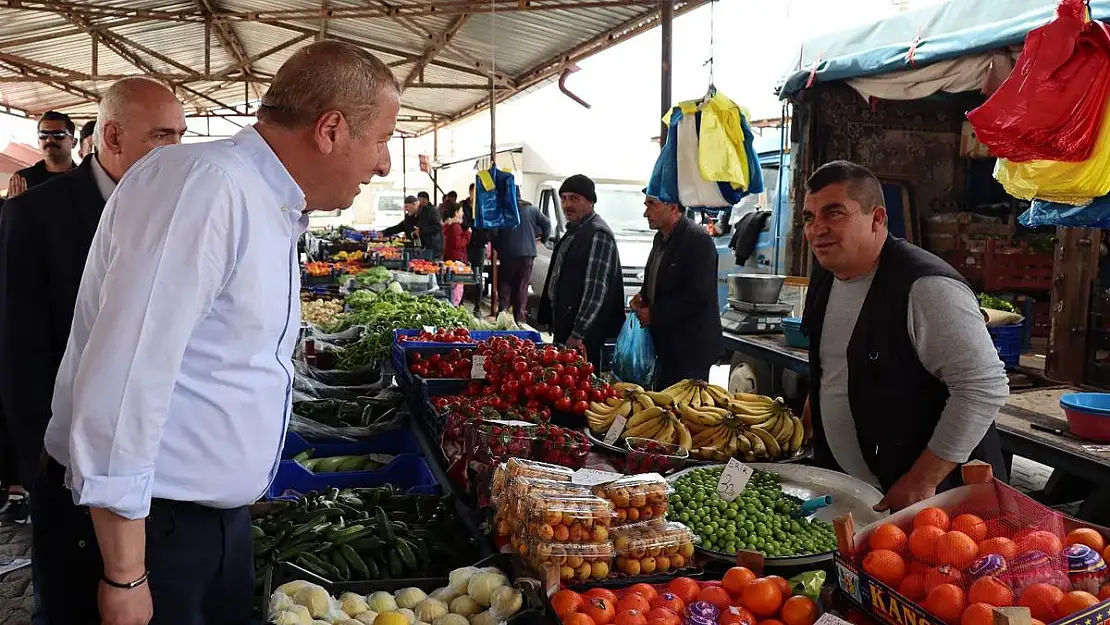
(634, 356)
(495, 200)
(1052, 104)
(1094, 214)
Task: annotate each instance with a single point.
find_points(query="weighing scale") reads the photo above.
(748, 318)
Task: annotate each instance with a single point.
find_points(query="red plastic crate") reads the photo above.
(1016, 269)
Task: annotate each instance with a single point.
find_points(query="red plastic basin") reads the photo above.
(1088, 415)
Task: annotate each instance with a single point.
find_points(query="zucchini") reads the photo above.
(257, 532)
(304, 455)
(295, 550)
(348, 536)
(351, 500)
(385, 530)
(315, 565)
(336, 534)
(364, 544)
(373, 572)
(404, 551)
(311, 527)
(358, 567)
(324, 514)
(310, 464)
(267, 545)
(395, 567)
(340, 564)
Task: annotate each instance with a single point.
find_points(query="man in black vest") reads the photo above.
(583, 296)
(905, 382)
(56, 141)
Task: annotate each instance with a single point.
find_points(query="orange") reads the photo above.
(999, 545)
(888, 536)
(957, 549)
(943, 575)
(1086, 536)
(1104, 592)
(931, 516)
(633, 601)
(799, 610)
(685, 588)
(668, 601)
(601, 593)
(978, 614)
(734, 615)
(1106, 554)
(665, 615)
(946, 602)
(736, 578)
(991, 591)
(578, 619)
(885, 566)
(1075, 601)
(924, 541)
(913, 587)
(762, 597)
(771, 621)
(647, 591)
(971, 525)
(565, 603)
(1041, 540)
(600, 610)
(1041, 599)
(716, 595)
(784, 586)
(630, 617)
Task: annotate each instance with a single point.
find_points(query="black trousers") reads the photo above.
(200, 559)
(513, 279)
(477, 260)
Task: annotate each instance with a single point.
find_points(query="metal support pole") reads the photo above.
(433, 170)
(493, 303)
(666, 19)
(404, 167)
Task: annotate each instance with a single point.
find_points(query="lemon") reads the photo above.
(391, 618)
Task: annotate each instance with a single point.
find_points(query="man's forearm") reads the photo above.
(931, 469)
(122, 545)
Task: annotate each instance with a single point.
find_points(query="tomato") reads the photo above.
(533, 405)
(563, 404)
(549, 358)
(520, 366)
(554, 394)
(597, 395)
(493, 377)
(510, 387)
(489, 390)
(529, 392)
(558, 369)
(580, 407)
(568, 356)
(420, 370)
(526, 378)
(587, 368)
(541, 390)
(568, 381)
(584, 384)
(550, 376)
(417, 357)
(571, 370)
(546, 413)
(454, 354)
(579, 395)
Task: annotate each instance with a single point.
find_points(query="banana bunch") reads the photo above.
(648, 414)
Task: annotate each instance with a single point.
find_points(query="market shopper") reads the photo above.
(905, 381)
(85, 145)
(516, 253)
(454, 246)
(45, 235)
(422, 221)
(56, 141)
(476, 250)
(583, 296)
(678, 302)
(172, 399)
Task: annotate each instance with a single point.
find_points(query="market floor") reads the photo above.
(16, 600)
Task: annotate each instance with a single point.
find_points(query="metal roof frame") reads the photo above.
(453, 58)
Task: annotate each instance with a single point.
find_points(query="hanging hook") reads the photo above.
(712, 49)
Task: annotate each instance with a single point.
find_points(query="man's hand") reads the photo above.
(576, 343)
(637, 302)
(918, 484)
(16, 185)
(125, 606)
(644, 313)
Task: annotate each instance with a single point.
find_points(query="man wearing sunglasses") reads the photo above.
(56, 140)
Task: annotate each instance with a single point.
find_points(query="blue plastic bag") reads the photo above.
(495, 196)
(634, 357)
(1094, 214)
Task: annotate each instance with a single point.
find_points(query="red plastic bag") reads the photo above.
(1051, 106)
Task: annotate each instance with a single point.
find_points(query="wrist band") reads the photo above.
(129, 585)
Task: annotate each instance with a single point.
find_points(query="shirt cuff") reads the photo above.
(125, 495)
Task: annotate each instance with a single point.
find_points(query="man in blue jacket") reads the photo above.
(516, 250)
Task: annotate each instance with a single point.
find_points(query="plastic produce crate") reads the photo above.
(399, 349)
(407, 471)
(393, 442)
(421, 402)
(1007, 340)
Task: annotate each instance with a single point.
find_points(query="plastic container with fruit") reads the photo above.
(636, 498)
(493, 442)
(653, 548)
(562, 446)
(523, 467)
(563, 518)
(646, 456)
(570, 562)
(511, 507)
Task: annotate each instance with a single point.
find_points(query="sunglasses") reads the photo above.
(53, 134)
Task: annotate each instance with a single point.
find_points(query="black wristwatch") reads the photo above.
(129, 585)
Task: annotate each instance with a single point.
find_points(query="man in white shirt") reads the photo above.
(173, 397)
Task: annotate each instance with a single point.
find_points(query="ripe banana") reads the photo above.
(628, 386)
(602, 408)
(690, 415)
(759, 450)
(643, 416)
(676, 387)
(660, 399)
(685, 439)
(720, 396)
(643, 402)
(646, 429)
(786, 433)
(798, 436)
(666, 434)
(613, 401)
(774, 450)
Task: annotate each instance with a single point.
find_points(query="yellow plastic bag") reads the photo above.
(1055, 181)
(721, 155)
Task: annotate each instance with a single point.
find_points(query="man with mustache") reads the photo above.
(56, 141)
(905, 382)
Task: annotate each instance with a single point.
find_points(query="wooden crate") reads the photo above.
(1016, 269)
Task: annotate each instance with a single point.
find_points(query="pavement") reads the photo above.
(16, 601)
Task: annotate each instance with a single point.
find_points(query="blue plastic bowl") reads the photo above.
(1088, 415)
(794, 334)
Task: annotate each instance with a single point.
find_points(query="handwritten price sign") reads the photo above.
(734, 479)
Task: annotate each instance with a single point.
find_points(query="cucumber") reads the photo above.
(385, 530)
(304, 455)
(358, 567)
(372, 570)
(267, 545)
(310, 464)
(318, 566)
(294, 551)
(336, 533)
(340, 563)
(328, 465)
(404, 551)
(331, 494)
(383, 566)
(348, 536)
(311, 527)
(351, 500)
(257, 532)
(364, 544)
(352, 463)
(324, 514)
(395, 567)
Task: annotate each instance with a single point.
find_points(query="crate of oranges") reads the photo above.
(572, 563)
(957, 556)
(653, 548)
(636, 498)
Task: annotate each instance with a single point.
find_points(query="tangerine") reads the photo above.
(885, 566)
(1043, 541)
(630, 617)
(991, 591)
(1075, 601)
(716, 595)
(1086, 536)
(663, 615)
(771, 621)
(1041, 599)
(888, 536)
(736, 578)
(1104, 592)
(924, 541)
(957, 549)
(647, 591)
(668, 601)
(600, 610)
(946, 602)
(913, 587)
(973, 526)
(943, 575)
(565, 603)
(1106, 554)
(735, 615)
(931, 516)
(634, 601)
(602, 593)
(578, 618)
(978, 614)
(784, 586)
(799, 610)
(685, 588)
(763, 597)
(1000, 546)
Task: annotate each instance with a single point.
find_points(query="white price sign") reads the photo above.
(615, 430)
(430, 329)
(478, 367)
(733, 479)
(830, 619)
(593, 477)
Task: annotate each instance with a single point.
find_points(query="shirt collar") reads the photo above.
(273, 172)
(104, 182)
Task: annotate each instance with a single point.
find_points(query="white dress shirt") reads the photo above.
(104, 182)
(176, 382)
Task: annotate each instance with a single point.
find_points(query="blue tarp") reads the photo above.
(946, 31)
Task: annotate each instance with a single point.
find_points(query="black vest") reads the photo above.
(896, 403)
(561, 312)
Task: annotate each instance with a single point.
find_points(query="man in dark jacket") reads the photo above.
(516, 251)
(583, 296)
(678, 302)
(422, 220)
(905, 381)
(56, 140)
(475, 250)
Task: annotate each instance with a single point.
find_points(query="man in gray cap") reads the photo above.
(583, 298)
(423, 221)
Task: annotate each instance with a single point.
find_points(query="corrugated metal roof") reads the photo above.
(46, 54)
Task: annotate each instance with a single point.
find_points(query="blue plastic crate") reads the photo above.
(1007, 340)
(407, 472)
(794, 334)
(399, 349)
(420, 402)
(392, 442)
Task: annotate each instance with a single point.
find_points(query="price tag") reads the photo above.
(829, 618)
(593, 477)
(615, 430)
(733, 479)
(430, 329)
(478, 367)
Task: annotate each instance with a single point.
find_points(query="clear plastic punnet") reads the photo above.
(653, 547)
(637, 498)
(566, 518)
(510, 506)
(570, 562)
(522, 467)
